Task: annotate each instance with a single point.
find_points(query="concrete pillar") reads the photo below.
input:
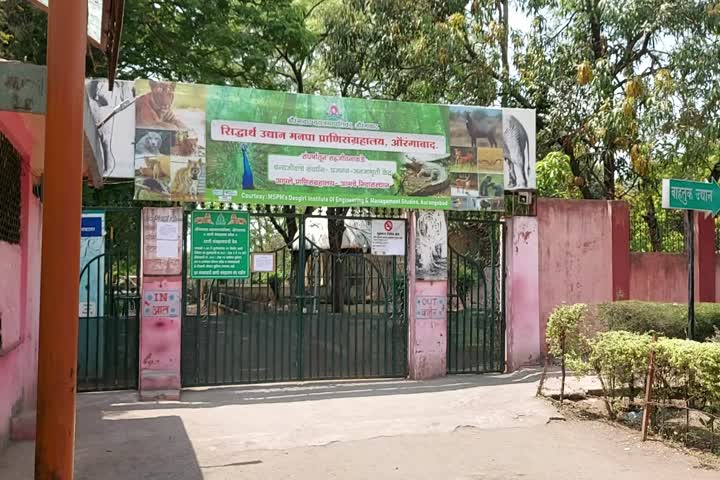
(427, 302)
(522, 299)
(161, 303)
(704, 258)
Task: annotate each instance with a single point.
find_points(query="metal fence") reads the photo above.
(10, 202)
(476, 317)
(108, 330)
(320, 314)
(663, 232)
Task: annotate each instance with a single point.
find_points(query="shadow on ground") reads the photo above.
(119, 437)
(209, 397)
(161, 442)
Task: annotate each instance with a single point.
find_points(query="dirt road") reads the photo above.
(463, 427)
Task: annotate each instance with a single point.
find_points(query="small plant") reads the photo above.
(565, 340)
(619, 359)
(716, 337)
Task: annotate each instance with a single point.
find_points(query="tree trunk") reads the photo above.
(503, 19)
(609, 175)
(650, 218)
(575, 166)
(336, 230)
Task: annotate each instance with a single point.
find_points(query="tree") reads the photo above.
(626, 92)
(22, 32)
(226, 42)
(611, 76)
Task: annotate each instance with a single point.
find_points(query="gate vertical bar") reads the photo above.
(183, 304)
(494, 263)
(300, 298)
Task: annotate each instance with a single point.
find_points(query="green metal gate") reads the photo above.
(108, 331)
(328, 310)
(476, 296)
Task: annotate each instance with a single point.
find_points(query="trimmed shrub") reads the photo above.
(620, 360)
(684, 370)
(565, 340)
(665, 319)
(564, 331)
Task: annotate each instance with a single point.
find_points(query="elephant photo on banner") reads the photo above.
(519, 149)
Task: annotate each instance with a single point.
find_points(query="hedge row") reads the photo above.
(666, 319)
(620, 358)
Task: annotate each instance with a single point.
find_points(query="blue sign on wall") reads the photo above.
(91, 226)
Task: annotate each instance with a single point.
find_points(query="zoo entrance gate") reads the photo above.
(329, 310)
(339, 313)
(347, 318)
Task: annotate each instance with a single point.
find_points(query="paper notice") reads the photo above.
(167, 248)
(263, 262)
(167, 231)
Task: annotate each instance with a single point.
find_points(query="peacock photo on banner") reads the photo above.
(197, 143)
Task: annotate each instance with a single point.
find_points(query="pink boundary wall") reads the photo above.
(578, 251)
(19, 298)
(662, 277)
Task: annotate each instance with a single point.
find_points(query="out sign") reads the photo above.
(164, 303)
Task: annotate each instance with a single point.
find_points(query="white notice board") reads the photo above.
(388, 237)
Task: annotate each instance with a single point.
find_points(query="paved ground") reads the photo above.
(463, 427)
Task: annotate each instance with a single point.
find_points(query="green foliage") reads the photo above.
(22, 31)
(555, 178)
(620, 359)
(666, 319)
(563, 329)
(226, 42)
(614, 342)
(626, 92)
(684, 369)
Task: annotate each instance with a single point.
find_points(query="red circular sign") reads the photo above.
(388, 226)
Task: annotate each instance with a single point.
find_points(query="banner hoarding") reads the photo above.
(211, 143)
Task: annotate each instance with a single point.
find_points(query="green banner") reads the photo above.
(220, 245)
(211, 143)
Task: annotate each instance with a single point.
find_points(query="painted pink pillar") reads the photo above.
(522, 299)
(427, 318)
(704, 258)
(161, 304)
(620, 224)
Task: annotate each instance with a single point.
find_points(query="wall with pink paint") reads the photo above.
(160, 308)
(522, 300)
(658, 277)
(428, 330)
(717, 278)
(160, 335)
(19, 307)
(575, 254)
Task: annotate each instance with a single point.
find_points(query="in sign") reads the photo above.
(164, 303)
